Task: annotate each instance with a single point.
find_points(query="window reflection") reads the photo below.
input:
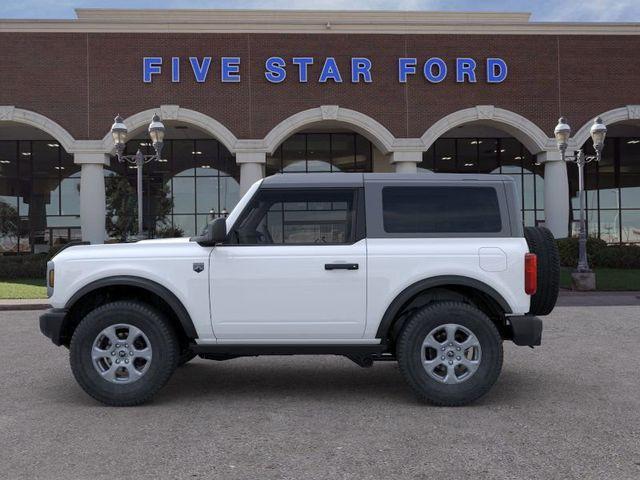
(199, 178)
(322, 152)
(39, 196)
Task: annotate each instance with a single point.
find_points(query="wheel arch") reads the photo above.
(471, 289)
(125, 286)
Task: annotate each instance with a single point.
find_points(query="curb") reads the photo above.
(5, 307)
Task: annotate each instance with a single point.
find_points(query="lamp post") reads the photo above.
(119, 133)
(562, 133)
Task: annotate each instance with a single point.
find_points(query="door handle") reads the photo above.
(341, 266)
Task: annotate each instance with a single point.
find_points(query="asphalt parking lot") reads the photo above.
(569, 409)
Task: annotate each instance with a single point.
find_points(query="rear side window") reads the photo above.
(441, 209)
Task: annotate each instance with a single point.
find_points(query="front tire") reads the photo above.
(123, 352)
(450, 353)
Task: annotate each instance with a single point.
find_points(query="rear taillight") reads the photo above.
(530, 273)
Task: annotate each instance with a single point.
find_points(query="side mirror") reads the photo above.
(214, 233)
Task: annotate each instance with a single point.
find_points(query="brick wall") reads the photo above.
(82, 80)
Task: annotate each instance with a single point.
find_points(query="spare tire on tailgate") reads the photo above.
(542, 243)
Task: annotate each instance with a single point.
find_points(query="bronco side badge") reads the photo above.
(198, 267)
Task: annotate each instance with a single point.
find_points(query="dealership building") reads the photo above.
(245, 94)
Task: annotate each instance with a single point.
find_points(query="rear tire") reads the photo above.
(422, 370)
(541, 242)
(131, 334)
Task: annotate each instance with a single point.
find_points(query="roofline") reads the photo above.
(311, 21)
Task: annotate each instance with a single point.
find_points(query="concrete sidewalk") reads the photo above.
(567, 298)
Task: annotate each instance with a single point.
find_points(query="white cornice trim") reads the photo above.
(302, 21)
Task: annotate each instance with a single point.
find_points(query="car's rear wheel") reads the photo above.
(450, 353)
(123, 352)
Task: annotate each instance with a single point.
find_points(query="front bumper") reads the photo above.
(52, 323)
(526, 330)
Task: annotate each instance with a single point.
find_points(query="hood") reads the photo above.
(163, 247)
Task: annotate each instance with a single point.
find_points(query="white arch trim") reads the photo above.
(531, 136)
(629, 112)
(9, 113)
(382, 138)
(177, 113)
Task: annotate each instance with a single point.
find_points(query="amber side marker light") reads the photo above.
(530, 273)
(51, 278)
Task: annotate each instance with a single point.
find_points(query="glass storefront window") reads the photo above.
(199, 178)
(39, 196)
(612, 191)
(322, 152)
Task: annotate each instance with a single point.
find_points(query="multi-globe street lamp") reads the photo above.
(119, 133)
(562, 133)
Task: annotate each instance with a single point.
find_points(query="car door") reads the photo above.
(293, 268)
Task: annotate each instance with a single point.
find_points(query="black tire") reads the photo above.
(154, 325)
(186, 355)
(409, 352)
(543, 244)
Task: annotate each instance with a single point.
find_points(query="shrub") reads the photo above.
(617, 256)
(170, 232)
(568, 248)
(23, 266)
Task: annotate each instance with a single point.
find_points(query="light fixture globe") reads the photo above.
(562, 133)
(119, 133)
(598, 133)
(156, 129)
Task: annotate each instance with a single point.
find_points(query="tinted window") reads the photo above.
(277, 217)
(440, 210)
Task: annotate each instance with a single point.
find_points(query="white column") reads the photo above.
(406, 162)
(92, 195)
(251, 168)
(556, 193)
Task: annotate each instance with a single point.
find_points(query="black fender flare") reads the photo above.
(440, 281)
(132, 281)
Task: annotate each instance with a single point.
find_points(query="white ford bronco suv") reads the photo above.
(432, 270)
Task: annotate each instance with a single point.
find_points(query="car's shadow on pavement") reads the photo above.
(267, 380)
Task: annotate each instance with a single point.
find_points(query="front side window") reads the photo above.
(298, 217)
(441, 209)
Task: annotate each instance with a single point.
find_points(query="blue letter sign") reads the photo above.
(200, 71)
(275, 69)
(150, 66)
(496, 70)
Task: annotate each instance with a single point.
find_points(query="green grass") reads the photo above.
(24, 288)
(611, 279)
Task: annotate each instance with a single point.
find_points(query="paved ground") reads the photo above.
(570, 409)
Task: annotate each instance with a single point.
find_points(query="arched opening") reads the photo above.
(39, 190)
(325, 148)
(612, 186)
(476, 147)
(197, 180)
(328, 139)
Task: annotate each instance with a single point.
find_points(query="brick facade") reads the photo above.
(81, 80)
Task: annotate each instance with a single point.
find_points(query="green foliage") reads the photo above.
(23, 266)
(618, 256)
(170, 232)
(599, 254)
(122, 207)
(568, 248)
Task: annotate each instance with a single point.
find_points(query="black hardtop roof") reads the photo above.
(309, 180)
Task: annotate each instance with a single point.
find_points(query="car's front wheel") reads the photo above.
(123, 352)
(450, 353)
